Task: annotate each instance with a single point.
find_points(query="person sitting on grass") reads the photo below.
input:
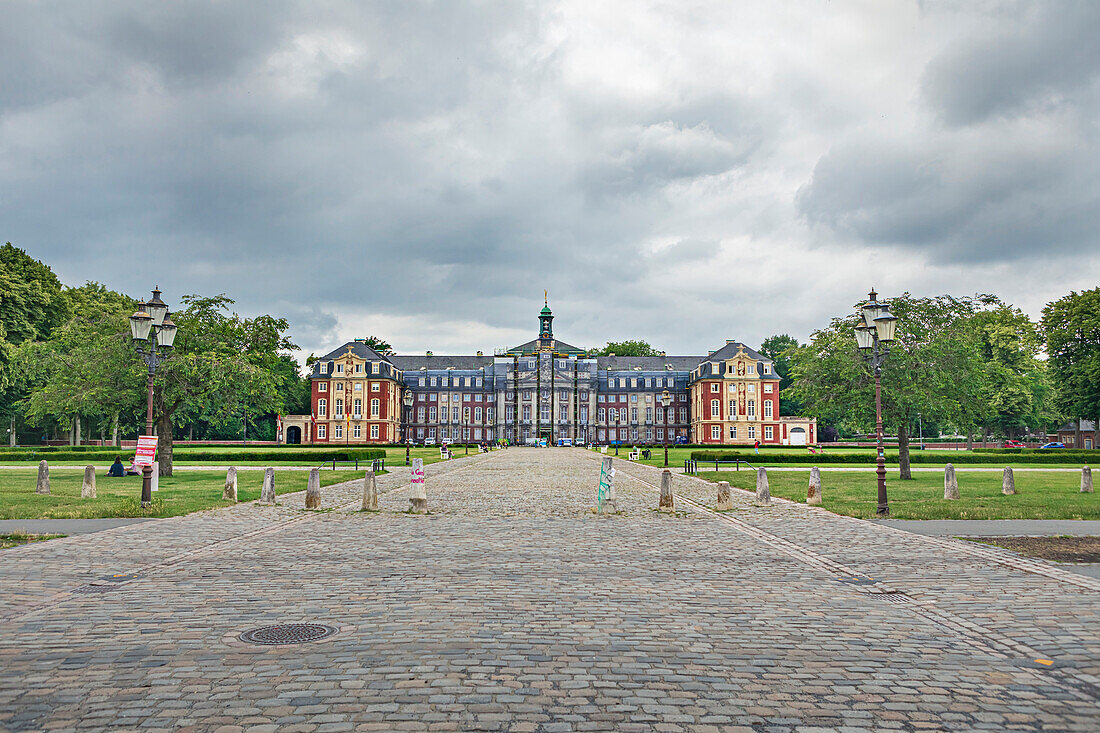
(134, 469)
(116, 468)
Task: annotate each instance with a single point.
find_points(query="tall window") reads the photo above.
(322, 431)
(322, 407)
(545, 413)
(357, 432)
(767, 408)
(373, 432)
(509, 413)
(600, 415)
(338, 408)
(660, 414)
(488, 414)
(752, 408)
(622, 414)
(733, 432)
(477, 414)
(769, 432)
(633, 414)
(431, 413)
(683, 414)
(526, 412)
(733, 409)
(420, 414)
(337, 430)
(715, 406)
(374, 404)
(454, 414)
(358, 408)
(752, 432)
(649, 414)
(563, 413)
(715, 432)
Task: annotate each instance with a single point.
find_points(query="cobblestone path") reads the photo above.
(512, 606)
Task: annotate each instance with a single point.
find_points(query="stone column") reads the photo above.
(1086, 480)
(763, 493)
(666, 502)
(813, 493)
(725, 501)
(370, 493)
(87, 488)
(418, 497)
(154, 484)
(43, 478)
(230, 492)
(1008, 482)
(267, 493)
(313, 489)
(950, 483)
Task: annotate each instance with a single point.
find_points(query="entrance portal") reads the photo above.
(798, 436)
(293, 435)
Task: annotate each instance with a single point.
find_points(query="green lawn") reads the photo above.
(1039, 495)
(22, 538)
(186, 492)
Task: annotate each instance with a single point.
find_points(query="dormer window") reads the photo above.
(358, 368)
(339, 368)
(324, 367)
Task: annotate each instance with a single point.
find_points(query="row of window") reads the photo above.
(457, 433)
(716, 387)
(374, 387)
(621, 414)
(750, 409)
(431, 414)
(624, 434)
(467, 397)
(339, 368)
(716, 432)
(338, 431)
(338, 408)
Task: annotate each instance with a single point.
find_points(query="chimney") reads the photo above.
(480, 354)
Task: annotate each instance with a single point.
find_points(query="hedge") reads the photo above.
(1056, 457)
(310, 457)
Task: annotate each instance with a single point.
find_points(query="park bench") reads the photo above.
(444, 453)
(603, 449)
(692, 465)
(633, 455)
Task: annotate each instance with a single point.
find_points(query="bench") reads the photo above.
(633, 455)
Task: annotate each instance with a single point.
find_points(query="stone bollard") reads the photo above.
(666, 503)
(370, 493)
(313, 489)
(87, 488)
(43, 478)
(230, 493)
(763, 494)
(418, 497)
(605, 491)
(813, 493)
(154, 482)
(950, 483)
(267, 493)
(1086, 480)
(725, 501)
(1008, 482)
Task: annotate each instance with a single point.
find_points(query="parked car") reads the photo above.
(1014, 444)
(1052, 445)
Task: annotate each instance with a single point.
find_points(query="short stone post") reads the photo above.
(230, 492)
(950, 483)
(43, 478)
(370, 493)
(1008, 482)
(725, 501)
(313, 489)
(1086, 480)
(154, 483)
(763, 493)
(666, 502)
(87, 488)
(418, 497)
(267, 493)
(813, 493)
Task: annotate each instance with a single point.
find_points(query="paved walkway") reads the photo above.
(65, 526)
(514, 607)
(996, 527)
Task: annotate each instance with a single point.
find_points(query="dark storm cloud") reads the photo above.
(345, 162)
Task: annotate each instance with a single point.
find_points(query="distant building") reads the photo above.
(1067, 435)
(546, 389)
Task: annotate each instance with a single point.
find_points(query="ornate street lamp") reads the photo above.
(616, 431)
(151, 328)
(408, 402)
(666, 400)
(873, 337)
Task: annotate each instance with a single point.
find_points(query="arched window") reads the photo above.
(715, 407)
(322, 407)
(374, 408)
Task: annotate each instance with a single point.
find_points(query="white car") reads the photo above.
(429, 441)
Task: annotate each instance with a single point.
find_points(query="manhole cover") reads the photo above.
(287, 634)
(89, 589)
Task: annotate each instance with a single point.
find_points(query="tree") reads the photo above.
(780, 349)
(1071, 326)
(379, 345)
(933, 368)
(628, 348)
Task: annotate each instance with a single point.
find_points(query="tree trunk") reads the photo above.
(164, 447)
(76, 430)
(969, 439)
(114, 433)
(904, 471)
(11, 433)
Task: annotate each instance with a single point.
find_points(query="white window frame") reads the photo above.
(374, 432)
(715, 432)
(322, 431)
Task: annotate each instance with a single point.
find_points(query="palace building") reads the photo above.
(545, 389)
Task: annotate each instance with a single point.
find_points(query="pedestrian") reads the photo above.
(756, 447)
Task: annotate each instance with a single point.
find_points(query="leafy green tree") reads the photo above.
(933, 368)
(780, 348)
(378, 344)
(628, 348)
(1071, 326)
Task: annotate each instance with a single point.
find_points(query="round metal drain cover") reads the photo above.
(287, 634)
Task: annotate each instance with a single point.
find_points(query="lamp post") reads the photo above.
(920, 431)
(616, 431)
(151, 327)
(407, 400)
(873, 337)
(466, 431)
(666, 400)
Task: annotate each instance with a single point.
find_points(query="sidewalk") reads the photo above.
(66, 526)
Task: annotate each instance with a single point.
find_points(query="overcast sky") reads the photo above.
(681, 172)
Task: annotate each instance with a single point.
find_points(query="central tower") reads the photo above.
(546, 327)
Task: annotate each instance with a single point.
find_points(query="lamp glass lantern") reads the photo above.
(166, 334)
(865, 336)
(157, 308)
(140, 323)
(408, 398)
(666, 398)
(886, 324)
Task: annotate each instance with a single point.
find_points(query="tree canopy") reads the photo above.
(628, 348)
(1071, 326)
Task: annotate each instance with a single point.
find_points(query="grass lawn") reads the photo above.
(22, 538)
(186, 492)
(1039, 495)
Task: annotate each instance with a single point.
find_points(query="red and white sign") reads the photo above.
(146, 451)
(418, 474)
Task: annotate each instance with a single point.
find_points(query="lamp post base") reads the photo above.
(146, 487)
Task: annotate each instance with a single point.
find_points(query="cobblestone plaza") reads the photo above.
(513, 606)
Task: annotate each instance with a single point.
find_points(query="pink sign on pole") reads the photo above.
(418, 474)
(146, 451)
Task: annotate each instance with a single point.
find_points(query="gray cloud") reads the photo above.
(667, 172)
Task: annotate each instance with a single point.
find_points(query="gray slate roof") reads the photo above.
(533, 345)
(648, 363)
(443, 361)
(730, 350)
